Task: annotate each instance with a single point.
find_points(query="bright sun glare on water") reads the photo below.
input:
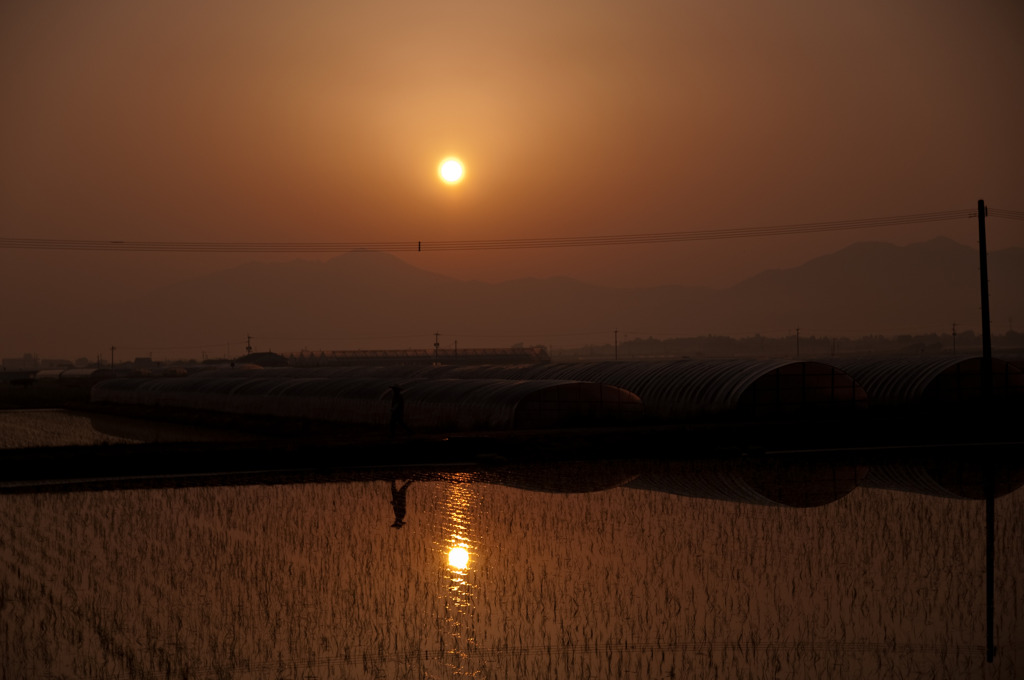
(451, 170)
(458, 558)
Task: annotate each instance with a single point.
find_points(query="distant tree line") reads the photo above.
(803, 346)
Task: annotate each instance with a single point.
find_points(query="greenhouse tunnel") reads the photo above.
(464, 404)
(950, 380)
(687, 389)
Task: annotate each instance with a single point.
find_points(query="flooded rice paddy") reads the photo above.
(314, 581)
(32, 428)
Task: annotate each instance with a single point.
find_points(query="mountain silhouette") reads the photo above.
(374, 300)
(879, 287)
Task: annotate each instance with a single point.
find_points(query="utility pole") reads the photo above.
(248, 344)
(437, 344)
(112, 348)
(986, 396)
(986, 331)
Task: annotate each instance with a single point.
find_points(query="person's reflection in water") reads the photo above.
(398, 503)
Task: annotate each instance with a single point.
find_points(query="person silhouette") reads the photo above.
(398, 503)
(398, 411)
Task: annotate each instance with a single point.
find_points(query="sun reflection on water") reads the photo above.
(458, 564)
(458, 558)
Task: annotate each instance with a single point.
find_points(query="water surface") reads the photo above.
(312, 581)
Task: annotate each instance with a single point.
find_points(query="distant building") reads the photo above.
(265, 359)
(391, 357)
(55, 363)
(27, 362)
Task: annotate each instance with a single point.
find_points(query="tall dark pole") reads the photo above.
(986, 331)
(986, 395)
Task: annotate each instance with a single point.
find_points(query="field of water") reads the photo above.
(50, 427)
(312, 581)
(33, 428)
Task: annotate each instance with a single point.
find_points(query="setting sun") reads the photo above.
(451, 170)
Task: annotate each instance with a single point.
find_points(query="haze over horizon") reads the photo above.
(374, 300)
(199, 121)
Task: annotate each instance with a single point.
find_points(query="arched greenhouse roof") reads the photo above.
(947, 380)
(692, 387)
(431, 404)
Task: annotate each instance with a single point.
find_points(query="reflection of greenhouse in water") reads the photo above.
(766, 480)
(962, 479)
(779, 481)
(759, 481)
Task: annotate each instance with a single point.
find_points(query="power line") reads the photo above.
(1005, 214)
(493, 244)
(701, 235)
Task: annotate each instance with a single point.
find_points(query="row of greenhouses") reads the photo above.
(567, 394)
(442, 403)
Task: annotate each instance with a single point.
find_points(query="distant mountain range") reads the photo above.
(375, 300)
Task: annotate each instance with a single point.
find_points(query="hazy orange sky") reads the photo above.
(325, 121)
